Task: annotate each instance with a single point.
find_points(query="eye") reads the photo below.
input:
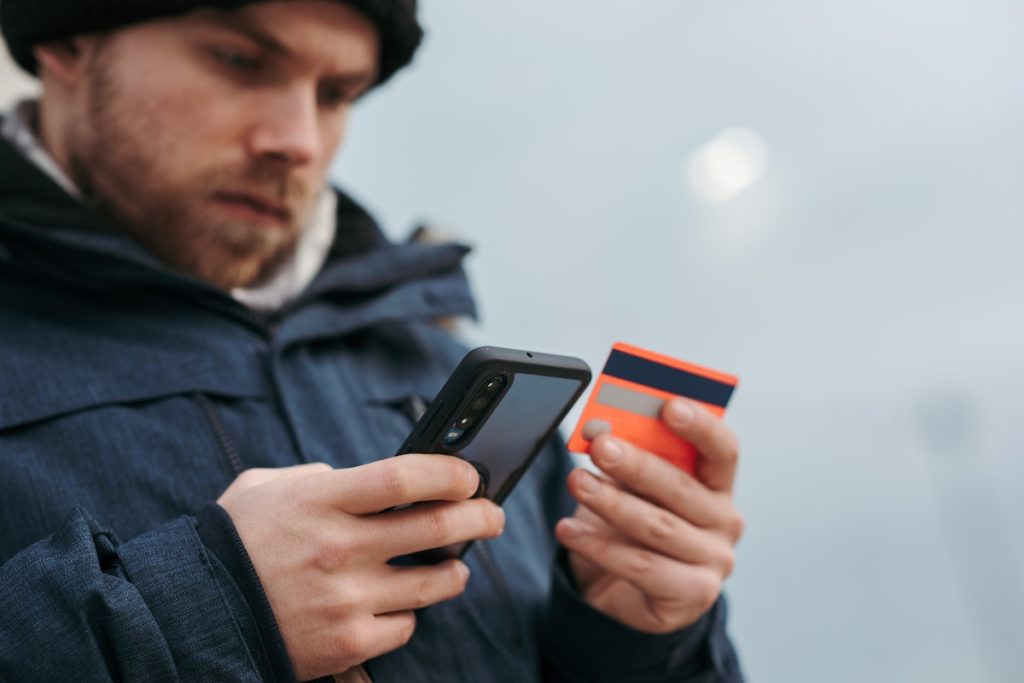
(336, 96)
(238, 61)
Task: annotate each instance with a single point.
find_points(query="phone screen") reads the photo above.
(524, 415)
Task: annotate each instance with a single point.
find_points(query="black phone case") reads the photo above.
(527, 373)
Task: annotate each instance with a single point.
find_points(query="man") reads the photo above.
(206, 357)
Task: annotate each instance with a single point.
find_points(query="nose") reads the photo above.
(287, 131)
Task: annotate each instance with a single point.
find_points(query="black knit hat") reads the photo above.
(26, 23)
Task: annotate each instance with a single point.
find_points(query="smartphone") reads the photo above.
(497, 410)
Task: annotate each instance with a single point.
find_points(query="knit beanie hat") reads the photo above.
(26, 23)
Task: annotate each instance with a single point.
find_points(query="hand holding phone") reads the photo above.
(496, 411)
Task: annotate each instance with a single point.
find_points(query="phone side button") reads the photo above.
(429, 416)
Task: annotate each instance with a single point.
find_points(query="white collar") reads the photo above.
(19, 129)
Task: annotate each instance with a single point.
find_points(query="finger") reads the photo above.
(641, 522)
(432, 525)
(393, 631)
(257, 476)
(666, 485)
(378, 635)
(714, 440)
(254, 476)
(654, 575)
(293, 472)
(411, 588)
(352, 642)
(401, 480)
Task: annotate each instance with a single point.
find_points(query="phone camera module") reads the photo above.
(453, 436)
(485, 395)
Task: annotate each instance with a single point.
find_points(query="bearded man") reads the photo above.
(207, 355)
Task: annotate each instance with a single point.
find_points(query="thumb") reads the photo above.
(717, 447)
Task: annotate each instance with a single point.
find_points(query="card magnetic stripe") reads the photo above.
(665, 378)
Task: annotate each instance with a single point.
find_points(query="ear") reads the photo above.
(64, 60)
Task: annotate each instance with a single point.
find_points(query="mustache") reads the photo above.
(273, 183)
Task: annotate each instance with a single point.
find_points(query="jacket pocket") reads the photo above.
(130, 443)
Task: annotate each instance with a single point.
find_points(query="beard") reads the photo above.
(115, 157)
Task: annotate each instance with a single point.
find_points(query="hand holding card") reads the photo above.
(632, 389)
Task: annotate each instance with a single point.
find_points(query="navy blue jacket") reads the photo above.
(131, 396)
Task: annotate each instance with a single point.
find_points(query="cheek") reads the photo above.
(186, 124)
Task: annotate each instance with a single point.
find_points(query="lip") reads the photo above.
(255, 206)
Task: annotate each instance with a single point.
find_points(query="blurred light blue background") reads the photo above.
(866, 284)
(868, 288)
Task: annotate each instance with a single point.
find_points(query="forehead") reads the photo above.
(327, 33)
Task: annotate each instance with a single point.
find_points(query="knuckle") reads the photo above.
(703, 425)
(684, 485)
(730, 444)
(663, 622)
(354, 645)
(706, 589)
(343, 600)
(424, 595)
(640, 562)
(396, 480)
(719, 439)
(611, 501)
(727, 562)
(464, 477)
(663, 526)
(328, 554)
(596, 546)
(737, 525)
(439, 523)
(633, 463)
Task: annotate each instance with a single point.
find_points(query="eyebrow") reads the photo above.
(253, 33)
(270, 43)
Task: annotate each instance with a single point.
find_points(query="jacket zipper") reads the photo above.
(220, 432)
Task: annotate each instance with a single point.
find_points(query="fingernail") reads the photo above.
(595, 428)
(680, 412)
(612, 451)
(574, 528)
(501, 521)
(587, 482)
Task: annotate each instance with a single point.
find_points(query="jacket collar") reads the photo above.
(53, 235)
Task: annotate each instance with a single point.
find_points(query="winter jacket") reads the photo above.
(131, 396)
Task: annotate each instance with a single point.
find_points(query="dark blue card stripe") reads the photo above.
(666, 378)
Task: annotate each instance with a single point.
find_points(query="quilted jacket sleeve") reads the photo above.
(79, 605)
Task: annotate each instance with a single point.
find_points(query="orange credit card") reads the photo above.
(632, 389)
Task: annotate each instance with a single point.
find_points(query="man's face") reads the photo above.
(208, 136)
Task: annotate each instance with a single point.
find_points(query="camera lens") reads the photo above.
(453, 436)
(492, 385)
(465, 421)
(478, 403)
